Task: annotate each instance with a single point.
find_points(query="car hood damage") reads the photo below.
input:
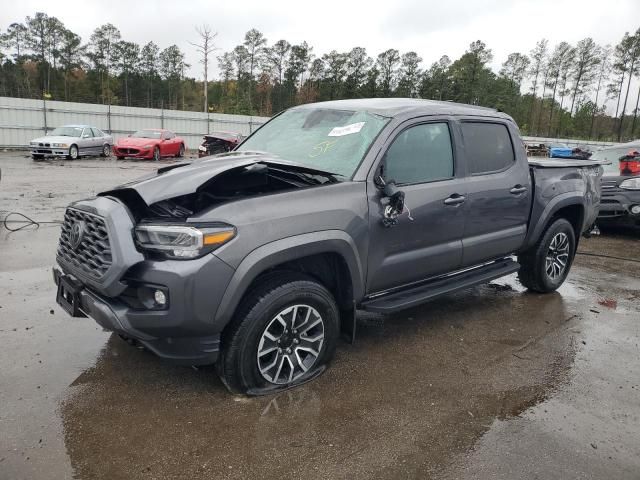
(184, 189)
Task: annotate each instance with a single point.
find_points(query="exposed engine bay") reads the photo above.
(260, 178)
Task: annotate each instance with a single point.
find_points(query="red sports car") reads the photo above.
(151, 143)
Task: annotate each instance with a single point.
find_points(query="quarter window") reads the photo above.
(420, 154)
(488, 146)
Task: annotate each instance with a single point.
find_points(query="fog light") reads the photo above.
(635, 209)
(160, 298)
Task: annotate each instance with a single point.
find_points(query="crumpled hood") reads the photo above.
(55, 139)
(185, 178)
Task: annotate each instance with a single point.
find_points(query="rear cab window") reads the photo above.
(488, 147)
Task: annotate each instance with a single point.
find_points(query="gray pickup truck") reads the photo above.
(258, 259)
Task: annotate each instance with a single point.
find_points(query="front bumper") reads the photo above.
(184, 332)
(615, 207)
(50, 151)
(132, 152)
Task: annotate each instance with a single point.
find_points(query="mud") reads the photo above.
(494, 382)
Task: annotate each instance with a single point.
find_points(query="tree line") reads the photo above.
(557, 91)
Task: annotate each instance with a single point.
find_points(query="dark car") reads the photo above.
(257, 259)
(620, 185)
(218, 142)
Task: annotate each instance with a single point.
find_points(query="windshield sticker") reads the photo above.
(346, 130)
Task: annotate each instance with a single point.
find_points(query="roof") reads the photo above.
(392, 107)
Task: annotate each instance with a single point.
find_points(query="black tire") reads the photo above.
(238, 363)
(106, 150)
(156, 154)
(180, 153)
(73, 153)
(533, 272)
(119, 158)
(37, 157)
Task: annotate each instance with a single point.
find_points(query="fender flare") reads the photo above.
(561, 201)
(284, 250)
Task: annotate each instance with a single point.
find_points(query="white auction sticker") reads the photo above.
(346, 130)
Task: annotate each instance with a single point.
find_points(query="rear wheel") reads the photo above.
(156, 154)
(106, 150)
(284, 332)
(73, 153)
(546, 265)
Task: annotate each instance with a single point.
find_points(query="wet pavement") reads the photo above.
(494, 382)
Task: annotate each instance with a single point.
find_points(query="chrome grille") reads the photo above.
(92, 256)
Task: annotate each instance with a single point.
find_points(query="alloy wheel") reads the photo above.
(290, 344)
(557, 256)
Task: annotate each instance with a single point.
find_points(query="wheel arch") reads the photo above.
(329, 256)
(569, 205)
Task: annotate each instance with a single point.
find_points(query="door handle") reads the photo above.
(455, 199)
(517, 190)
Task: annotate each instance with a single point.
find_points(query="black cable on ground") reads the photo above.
(608, 256)
(27, 221)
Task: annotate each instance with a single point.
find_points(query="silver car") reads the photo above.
(72, 142)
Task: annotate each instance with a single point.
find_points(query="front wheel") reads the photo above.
(284, 333)
(156, 154)
(73, 153)
(180, 153)
(37, 157)
(546, 265)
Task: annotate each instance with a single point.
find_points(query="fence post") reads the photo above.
(44, 113)
(161, 113)
(109, 117)
(250, 125)
(208, 121)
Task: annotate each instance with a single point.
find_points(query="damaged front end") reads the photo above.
(181, 191)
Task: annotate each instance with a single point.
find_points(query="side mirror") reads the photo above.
(395, 201)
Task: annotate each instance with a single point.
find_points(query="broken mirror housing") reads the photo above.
(183, 241)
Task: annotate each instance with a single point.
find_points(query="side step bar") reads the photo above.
(392, 302)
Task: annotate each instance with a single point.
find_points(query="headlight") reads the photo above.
(631, 184)
(181, 241)
(202, 148)
(63, 145)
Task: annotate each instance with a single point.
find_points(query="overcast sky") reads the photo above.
(431, 28)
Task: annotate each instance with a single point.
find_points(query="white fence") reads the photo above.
(22, 119)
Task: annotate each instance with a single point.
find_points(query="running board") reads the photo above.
(392, 302)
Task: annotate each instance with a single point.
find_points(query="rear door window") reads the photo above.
(96, 132)
(488, 147)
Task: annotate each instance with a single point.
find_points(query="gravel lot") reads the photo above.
(494, 382)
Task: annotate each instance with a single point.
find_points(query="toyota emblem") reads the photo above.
(77, 234)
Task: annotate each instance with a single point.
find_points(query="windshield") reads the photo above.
(334, 141)
(147, 134)
(68, 131)
(612, 155)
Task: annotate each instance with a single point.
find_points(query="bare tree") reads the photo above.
(604, 71)
(584, 68)
(206, 47)
(538, 58)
